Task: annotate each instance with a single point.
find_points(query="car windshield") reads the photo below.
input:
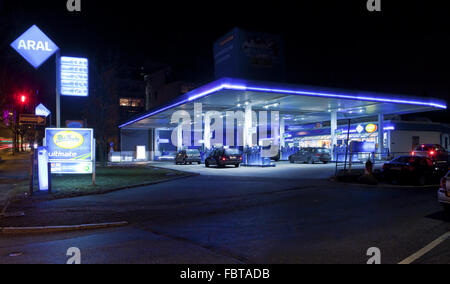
(323, 150)
(192, 152)
(232, 151)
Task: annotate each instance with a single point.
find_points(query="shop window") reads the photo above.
(132, 102)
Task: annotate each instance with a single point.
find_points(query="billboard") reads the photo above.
(74, 76)
(250, 55)
(35, 46)
(70, 150)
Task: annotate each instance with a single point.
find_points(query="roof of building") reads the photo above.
(302, 102)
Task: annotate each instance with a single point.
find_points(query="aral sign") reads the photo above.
(70, 150)
(35, 46)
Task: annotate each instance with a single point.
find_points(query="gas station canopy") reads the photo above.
(298, 104)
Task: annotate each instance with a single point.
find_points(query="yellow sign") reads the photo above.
(371, 128)
(68, 139)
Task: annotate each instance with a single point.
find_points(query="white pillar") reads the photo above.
(180, 137)
(380, 133)
(282, 130)
(248, 124)
(207, 132)
(333, 130)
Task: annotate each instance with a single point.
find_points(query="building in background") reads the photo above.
(250, 55)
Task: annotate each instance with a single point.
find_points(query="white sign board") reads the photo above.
(74, 77)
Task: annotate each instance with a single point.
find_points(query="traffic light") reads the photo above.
(23, 99)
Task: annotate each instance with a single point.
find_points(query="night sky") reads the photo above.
(403, 49)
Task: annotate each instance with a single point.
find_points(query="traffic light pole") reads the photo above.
(58, 95)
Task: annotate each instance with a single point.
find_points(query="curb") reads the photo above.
(58, 229)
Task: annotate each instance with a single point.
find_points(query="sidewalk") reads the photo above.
(13, 170)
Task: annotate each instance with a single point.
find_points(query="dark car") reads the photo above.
(433, 151)
(311, 156)
(224, 157)
(414, 170)
(188, 157)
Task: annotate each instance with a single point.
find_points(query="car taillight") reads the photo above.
(432, 153)
(240, 157)
(224, 158)
(413, 153)
(317, 155)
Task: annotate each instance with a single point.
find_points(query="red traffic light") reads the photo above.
(23, 99)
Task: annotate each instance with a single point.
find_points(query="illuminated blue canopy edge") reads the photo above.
(289, 89)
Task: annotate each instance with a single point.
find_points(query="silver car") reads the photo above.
(311, 156)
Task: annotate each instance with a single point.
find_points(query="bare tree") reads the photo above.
(102, 110)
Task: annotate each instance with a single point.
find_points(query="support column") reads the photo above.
(156, 143)
(180, 137)
(282, 130)
(333, 131)
(207, 132)
(380, 134)
(150, 143)
(58, 95)
(248, 124)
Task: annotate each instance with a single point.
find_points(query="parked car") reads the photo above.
(311, 156)
(432, 151)
(444, 192)
(414, 170)
(224, 157)
(188, 156)
(167, 157)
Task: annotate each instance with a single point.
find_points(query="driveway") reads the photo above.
(261, 218)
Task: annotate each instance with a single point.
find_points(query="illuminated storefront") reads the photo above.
(303, 136)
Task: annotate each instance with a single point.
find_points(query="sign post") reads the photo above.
(94, 164)
(41, 110)
(72, 77)
(58, 96)
(31, 119)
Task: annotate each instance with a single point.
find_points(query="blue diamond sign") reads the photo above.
(35, 46)
(41, 110)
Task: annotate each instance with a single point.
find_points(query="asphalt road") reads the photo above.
(295, 216)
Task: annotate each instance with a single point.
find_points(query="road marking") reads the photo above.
(426, 249)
